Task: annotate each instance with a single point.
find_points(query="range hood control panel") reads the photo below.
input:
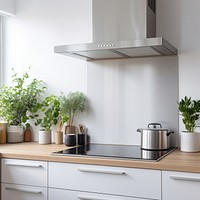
(105, 45)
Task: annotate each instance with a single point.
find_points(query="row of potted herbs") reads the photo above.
(23, 102)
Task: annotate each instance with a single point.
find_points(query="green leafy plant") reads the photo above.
(17, 100)
(62, 119)
(189, 110)
(50, 112)
(72, 104)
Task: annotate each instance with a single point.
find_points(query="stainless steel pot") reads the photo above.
(154, 138)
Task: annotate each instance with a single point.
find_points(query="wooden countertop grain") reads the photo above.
(176, 161)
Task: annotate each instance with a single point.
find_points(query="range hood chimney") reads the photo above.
(121, 29)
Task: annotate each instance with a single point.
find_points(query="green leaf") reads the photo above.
(190, 110)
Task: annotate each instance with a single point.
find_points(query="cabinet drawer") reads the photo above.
(76, 195)
(180, 185)
(19, 192)
(108, 180)
(26, 172)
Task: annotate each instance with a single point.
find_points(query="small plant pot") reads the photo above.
(15, 134)
(189, 142)
(70, 139)
(59, 137)
(2, 133)
(27, 135)
(44, 137)
(70, 130)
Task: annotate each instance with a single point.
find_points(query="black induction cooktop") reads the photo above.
(132, 152)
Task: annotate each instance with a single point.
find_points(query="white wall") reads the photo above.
(179, 23)
(31, 35)
(7, 7)
(39, 25)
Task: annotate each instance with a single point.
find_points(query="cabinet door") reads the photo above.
(180, 186)
(22, 192)
(107, 180)
(76, 195)
(25, 172)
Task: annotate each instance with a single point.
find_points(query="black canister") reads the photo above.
(81, 139)
(70, 139)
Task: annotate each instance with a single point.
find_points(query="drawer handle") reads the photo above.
(182, 178)
(24, 165)
(90, 198)
(24, 190)
(102, 171)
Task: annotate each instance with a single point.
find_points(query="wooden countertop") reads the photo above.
(176, 161)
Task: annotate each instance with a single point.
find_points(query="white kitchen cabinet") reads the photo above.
(23, 179)
(27, 172)
(131, 182)
(180, 186)
(22, 192)
(77, 195)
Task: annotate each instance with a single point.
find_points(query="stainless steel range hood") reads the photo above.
(121, 29)
(119, 49)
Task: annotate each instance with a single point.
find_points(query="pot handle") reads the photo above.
(154, 125)
(169, 133)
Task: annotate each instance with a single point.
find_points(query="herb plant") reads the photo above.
(16, 101)
(190, 112)
(72, 104)
(50, 112)
(62, 119)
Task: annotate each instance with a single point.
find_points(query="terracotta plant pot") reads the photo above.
(27, 135)
(2, 133)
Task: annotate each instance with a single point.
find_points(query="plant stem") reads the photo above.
(72, 119)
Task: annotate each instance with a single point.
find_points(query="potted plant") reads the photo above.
(49, 110)
(72, 104)
(189, 109)
(15, 103)
(27, 133)
(63, 118)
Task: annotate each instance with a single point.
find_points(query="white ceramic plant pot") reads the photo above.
(15, 134)
(189, 142)
(44, 137)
